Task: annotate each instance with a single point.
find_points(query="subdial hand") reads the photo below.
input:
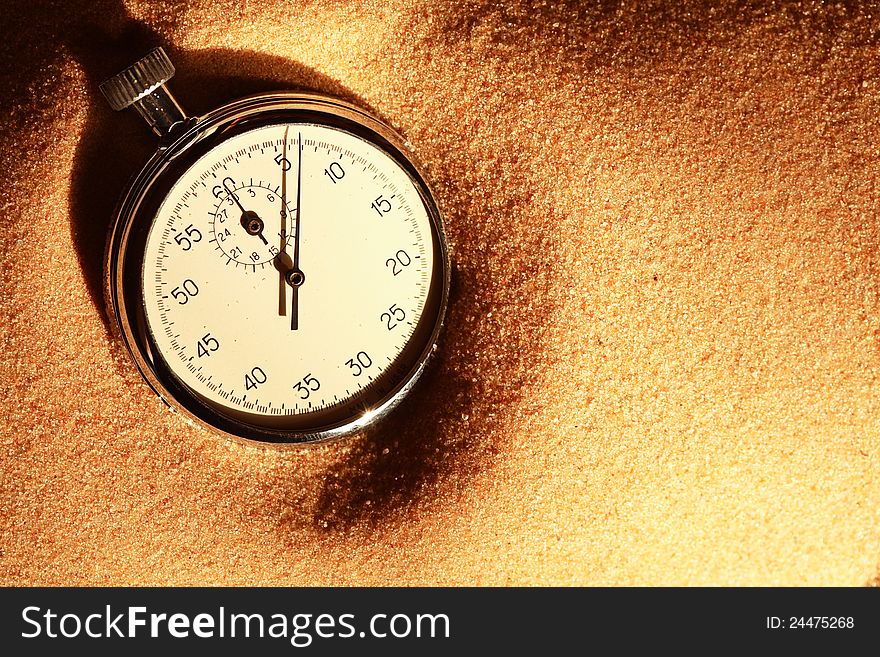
(253, 225)
(250, 220)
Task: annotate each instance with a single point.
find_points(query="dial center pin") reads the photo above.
(252, 223)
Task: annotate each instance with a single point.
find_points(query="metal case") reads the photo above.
(183, 145)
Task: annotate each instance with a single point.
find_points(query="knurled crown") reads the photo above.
(138, 80)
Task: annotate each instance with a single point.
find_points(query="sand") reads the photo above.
(662, 356)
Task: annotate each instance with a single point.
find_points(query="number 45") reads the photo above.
(207, 345)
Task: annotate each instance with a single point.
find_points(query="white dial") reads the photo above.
(286, 272)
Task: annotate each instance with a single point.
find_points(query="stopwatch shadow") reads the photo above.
(423, 444)
(456, 423)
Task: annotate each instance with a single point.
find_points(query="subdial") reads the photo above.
(246, 224)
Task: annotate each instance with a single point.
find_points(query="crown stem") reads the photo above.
(142, 85)
(160, 110)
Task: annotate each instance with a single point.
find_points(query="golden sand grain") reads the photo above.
(662, 358)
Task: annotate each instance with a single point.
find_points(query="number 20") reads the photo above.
(401, 259)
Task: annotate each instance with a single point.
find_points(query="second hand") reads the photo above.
(284, 261)
(295, 276)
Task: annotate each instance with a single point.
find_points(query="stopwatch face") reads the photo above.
(284, 279)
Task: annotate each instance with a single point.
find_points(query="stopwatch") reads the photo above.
(278, 270)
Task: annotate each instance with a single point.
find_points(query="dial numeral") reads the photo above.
(283, 162)
(207, 345)
(335, 172)
(192, 236)
(255, 378)
(185, 291)
(401, 259)
(394, 313)
(359, 363)
(307, 386)
(218, 190)
(381, 205)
